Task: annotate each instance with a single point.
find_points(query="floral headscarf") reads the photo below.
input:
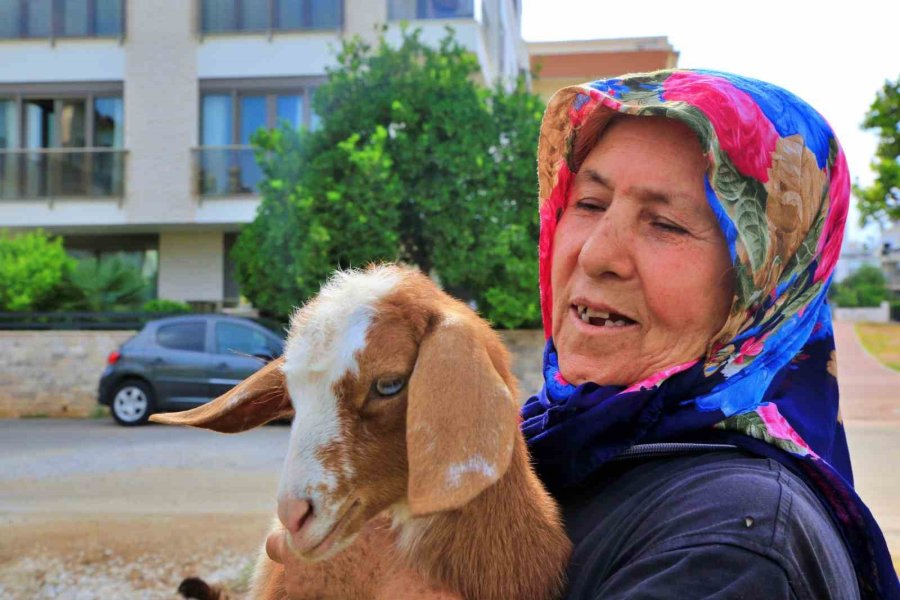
(778, 185)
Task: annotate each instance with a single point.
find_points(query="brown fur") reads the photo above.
(445, 455)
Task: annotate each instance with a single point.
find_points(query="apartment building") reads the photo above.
(125, 124)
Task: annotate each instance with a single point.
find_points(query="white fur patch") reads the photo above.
(322, 346)
(476, 464)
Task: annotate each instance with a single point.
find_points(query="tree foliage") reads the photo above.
(881, 200)
(103, 285)
(413, 161)
(32, 267)
(865, 287)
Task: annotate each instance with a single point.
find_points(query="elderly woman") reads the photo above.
(689, 423)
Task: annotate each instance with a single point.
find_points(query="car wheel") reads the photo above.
(132, 403)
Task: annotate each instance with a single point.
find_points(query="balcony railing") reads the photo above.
(50, 173)
(226, 170)
(61, 18)
(268, 16)
(430, 9)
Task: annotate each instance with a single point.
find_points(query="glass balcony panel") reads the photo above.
(430, 9)
(38, 18)
(108, 122)
(43, 174)
(227, 171)
(108, 17)
(10, 19)
(254, 15)
(107, 174)
(219, 16)
(73, 18)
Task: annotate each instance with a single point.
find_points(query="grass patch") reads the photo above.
(99, 412)
(882, 340)
(37, 415)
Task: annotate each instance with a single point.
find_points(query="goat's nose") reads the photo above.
(293, 513)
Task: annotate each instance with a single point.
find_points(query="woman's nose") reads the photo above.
(608, 250)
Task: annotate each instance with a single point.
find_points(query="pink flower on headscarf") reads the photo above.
(743, 131)
(829, 247)
(778, 427)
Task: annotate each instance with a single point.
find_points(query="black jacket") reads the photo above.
(717, 525)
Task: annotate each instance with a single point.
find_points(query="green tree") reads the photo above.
(865, 287)
(103, 285)
(881, 200)
(32, 267)
(414, 161)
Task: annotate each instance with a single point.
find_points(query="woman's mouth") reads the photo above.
(601, 318)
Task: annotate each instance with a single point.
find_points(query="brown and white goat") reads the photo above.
(404, 406)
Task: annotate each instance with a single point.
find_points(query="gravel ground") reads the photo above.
(89, 510)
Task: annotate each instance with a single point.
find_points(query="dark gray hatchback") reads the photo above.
(181, 362)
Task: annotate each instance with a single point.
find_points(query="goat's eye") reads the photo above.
(388, 386)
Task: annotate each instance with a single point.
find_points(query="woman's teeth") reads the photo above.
(598, 317)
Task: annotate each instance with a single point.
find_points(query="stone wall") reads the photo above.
(875, 314)
(53, 373)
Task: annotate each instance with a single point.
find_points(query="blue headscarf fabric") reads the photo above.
(778, 185)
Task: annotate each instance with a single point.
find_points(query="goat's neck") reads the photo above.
(506, 544)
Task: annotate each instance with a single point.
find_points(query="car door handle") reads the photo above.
(222, 366)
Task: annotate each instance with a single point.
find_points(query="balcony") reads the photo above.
(409, 10)
(226, 171)
(53, 19)
(55, 173)
(268, 16)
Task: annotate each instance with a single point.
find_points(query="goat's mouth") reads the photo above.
(333, 541)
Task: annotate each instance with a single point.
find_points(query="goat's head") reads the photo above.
(403, 400)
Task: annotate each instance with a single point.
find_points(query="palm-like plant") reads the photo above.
(111, 284)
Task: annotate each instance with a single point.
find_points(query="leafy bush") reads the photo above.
(105, 285)
(865, 287)
(160, 305)
(32, 267)
(413, 161)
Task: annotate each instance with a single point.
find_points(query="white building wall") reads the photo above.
(36, 61)
(191, 265)
(161, 111)
(296, 54)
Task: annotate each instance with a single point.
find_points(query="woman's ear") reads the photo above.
(260, 398)
(461, 417)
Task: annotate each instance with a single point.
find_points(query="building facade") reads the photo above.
(125, 124)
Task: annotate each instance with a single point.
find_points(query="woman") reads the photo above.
(689, 424)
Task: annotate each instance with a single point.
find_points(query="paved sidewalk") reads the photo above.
(869, 390)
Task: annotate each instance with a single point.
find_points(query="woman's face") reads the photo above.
(641, 272)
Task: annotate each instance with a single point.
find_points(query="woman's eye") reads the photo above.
(669, 228)
(388, 386)
(590, 205)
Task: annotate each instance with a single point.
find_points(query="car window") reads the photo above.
(238, 339)
(182, 336)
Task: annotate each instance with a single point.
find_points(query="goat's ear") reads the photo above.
(461, 416)
(260, 398)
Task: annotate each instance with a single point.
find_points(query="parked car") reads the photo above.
(176, 363)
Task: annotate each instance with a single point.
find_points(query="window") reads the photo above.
(34, 128)
(227, 16)
(232, 338)
(61, 18)
(430, 9)
(183, 336)
(228, 119)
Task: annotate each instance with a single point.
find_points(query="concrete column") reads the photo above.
(191, 265)
(161, 110)
(361, 16)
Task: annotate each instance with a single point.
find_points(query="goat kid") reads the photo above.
(405, 406)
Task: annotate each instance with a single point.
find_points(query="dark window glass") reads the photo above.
(73, 17)
(253, 116)
(10, 18)
(108, 122)
(289, 14)
(219, 15)
(325, 14)
(254, 15)
(108, 17)
(290, 109)
(9, 130)
(38, 16)
(238, 339)
(182, 336)
(72, 124)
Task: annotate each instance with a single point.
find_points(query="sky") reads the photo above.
(836, 56)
